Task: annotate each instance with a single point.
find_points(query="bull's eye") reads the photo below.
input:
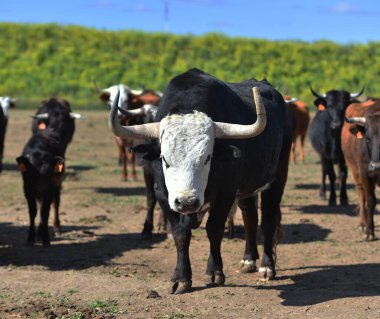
(166, 163)
(207, 159)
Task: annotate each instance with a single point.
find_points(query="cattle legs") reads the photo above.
(32, 206)
(151, 202)
(43, 229)
(366, 214)
(328, 169)
(57, 224)
(343, 183)
(250, 217)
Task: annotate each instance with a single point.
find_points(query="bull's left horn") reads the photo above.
(41, 116)
(355, 120)
(354, 95)
(292, 100)
(76, 115)
(134, 112)
(237, 131)
(143, 131)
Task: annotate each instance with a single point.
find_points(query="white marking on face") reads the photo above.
(124, 95)
(187, 143)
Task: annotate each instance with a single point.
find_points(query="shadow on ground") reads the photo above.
(325, 283)
(121, 191)
(292, 233)
(78, 247)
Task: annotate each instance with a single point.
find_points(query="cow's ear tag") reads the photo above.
(321, 107)
(42, 126)
(59, 168)
(21, 167)
(359, 135)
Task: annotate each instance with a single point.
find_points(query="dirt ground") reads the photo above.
(100, 268)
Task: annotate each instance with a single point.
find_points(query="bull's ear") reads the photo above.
(150, 151)
(357, 130)
(224, 152)
(59, 164)
(22, 162)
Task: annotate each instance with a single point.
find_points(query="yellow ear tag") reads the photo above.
(321, 107)
(21, 167)
(42, 126)
(59, 167)
(359, 135)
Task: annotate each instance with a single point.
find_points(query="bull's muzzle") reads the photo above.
(335, 125)
(374, 167)
(187, 205)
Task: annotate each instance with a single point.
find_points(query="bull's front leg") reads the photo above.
(343, 183)
(215, 230)
(32, 206)
(181, 279)
(43, 229)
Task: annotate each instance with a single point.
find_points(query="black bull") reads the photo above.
(325, 136)
(263, 161)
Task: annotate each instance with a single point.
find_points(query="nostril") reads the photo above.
(178, 203)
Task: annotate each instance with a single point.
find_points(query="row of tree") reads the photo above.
(37, 61)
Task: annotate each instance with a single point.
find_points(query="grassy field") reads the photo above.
(100, 268)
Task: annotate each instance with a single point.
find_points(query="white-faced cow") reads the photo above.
(206, 152)
(325, 136)
(5, 103)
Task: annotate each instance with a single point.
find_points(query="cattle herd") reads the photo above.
(208, 146)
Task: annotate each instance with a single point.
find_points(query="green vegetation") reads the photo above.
(37, 61)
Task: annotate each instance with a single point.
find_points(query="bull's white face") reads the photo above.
(187, 143)
(124, 94)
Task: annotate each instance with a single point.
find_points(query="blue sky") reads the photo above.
(343, 21)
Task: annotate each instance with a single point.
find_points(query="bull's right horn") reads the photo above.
(355, 120)
(315, 93)
(134, 112)
(41, 116)
(96, 87)
(143, 131)
(238, 131)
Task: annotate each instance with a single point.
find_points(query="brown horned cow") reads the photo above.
(129, 100)
(361, 148)
(300, 119)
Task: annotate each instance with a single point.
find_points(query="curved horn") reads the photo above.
(237, 131)
(357, 94)
(322, 96)
(355, 120)
(135, 112)
(137, 92)
(292, 100)
(41, 116)
(143, 131)
(76, 115)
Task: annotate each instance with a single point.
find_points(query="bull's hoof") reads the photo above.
(247, 266)
(370, 237)
(266, 273)
(344, 202)
(180, 287)
(146, 236)
(217, 279)
(57, 231)
(322, 196)
(332, 203)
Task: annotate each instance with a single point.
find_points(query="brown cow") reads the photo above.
(361, 148)
(301, 119)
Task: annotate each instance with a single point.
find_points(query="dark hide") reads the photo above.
(261, 160)
(42, 168)
(325, 136)
(59, 121)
